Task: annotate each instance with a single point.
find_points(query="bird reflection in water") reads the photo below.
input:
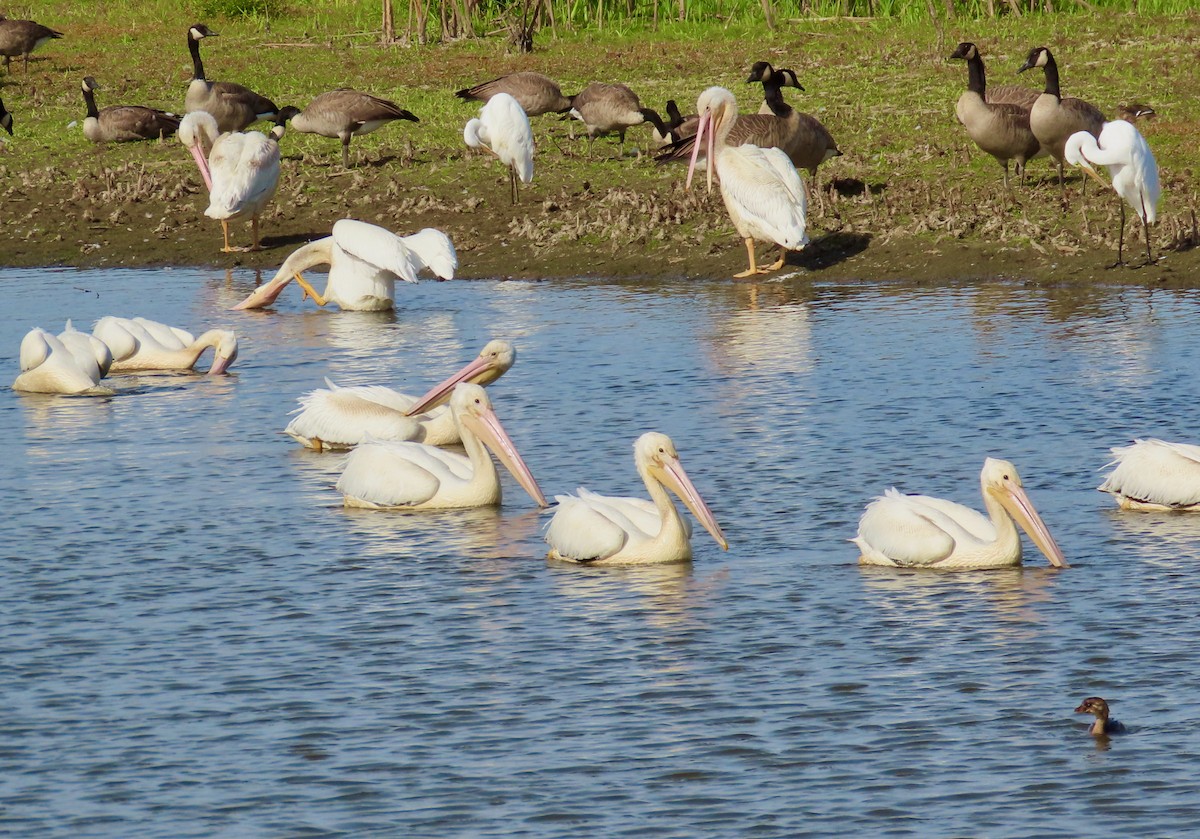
(476, 534)
(671, 595)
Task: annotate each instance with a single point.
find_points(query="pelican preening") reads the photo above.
(21, 37)
(344, 114)
(503, 129)
(49, 365)
(917, 531)
(1155, 476)
(233, 106)
(364, 263)
(414, 476)
(139, 344)
(762, 189)
(241, 170)
(536, 93)
(607, 530)
(123, 123)
(1052, 118)
(338, 418)
(1132, 167)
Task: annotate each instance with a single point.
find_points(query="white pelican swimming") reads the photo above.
(1131, 165)
(503, 129)
(917, 531)
(342, 417)
(141, 344)
(762, 189)
(414, 476)
(50, 366)
(93, 355)
(364, 262)
(608, 530)
(1154, 475)
(241, 170)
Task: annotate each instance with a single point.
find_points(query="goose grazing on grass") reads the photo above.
(338, 418)
(21, 37)
(6, 120)
(917, 531)
(535, 93)
(999, 128)
(1052, 118)
(605, 108)
(364, 261)
(50, 366)
(139, 344)
(412, 476)
(503, 129)
(241, 171)
(1155, 476)
(673, 127)
(344, 114)
(1132, 167)
(123, 123)
(607, 530)
(233, 106)
(761, 188)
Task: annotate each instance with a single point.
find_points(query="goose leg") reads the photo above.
(309, 291)
(346, 152)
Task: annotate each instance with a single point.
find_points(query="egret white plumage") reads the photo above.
(140, 344)
(761, 188)
(50, 366)
(502, 128)
(1131, 165)
(607, 530)
(342, 417)
(1154, 475)
(917, 531)
(241, 171)
(364, 261)
(414, 476)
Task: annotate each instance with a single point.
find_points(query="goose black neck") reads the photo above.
(773, 95)
(89, 99)
(651, 116)
(976, 79)
(1051, 69)
(197, 64)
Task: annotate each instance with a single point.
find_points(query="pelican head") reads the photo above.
(492, 362)
(999, 480)
(717, 108)
(225, 351)
(655, 456)
(473, 411)
(197, 129)
(1038, 57)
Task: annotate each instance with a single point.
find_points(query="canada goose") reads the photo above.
(6, 121)
(1054, 119)
(604, 108)
(345, 113)
(1135, 111)
(805, 140)
(123, 123)
(535, 93)
(233, 106)
(21, 37)
(999, 128)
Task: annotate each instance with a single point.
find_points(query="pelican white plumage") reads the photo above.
(1131, 165)
(502, 128)
(50, 366)
(762, 190)
(241, 170)
(140, 344)
(917, 531)
(1154, 475)
(339, 418)
(414, 476)
(364, 262)
(93, 355)
(607, 530)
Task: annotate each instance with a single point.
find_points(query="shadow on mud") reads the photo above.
(830, 250)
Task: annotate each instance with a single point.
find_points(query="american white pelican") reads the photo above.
(916, 531)
(414, 476)
(49, 366)
(241, 170)
(1154, 475)
(141, 344)
(93, 355)
(233, 106)
(342, 417)
(762, 189)
(607, 530)
(503, 129)
(1131, 165)
(364, 262)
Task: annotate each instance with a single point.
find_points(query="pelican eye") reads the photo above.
(1007, 478)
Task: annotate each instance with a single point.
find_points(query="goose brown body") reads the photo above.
(536, 93)
(233, 106)
(21, 37)
(345, 113)
(1052, 118)
(124, 123)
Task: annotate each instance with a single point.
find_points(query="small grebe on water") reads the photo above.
(1103, 726)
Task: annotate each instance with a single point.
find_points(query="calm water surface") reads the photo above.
(198, 640)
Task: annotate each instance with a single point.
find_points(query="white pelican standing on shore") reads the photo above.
(140, 344)
(502, 128)
(414, 476)
(50, 366)
(339, 418)
(1155, 476)
(241, 170)
(917, 531)
(364, 262)
(762, 189)
(608, 530)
